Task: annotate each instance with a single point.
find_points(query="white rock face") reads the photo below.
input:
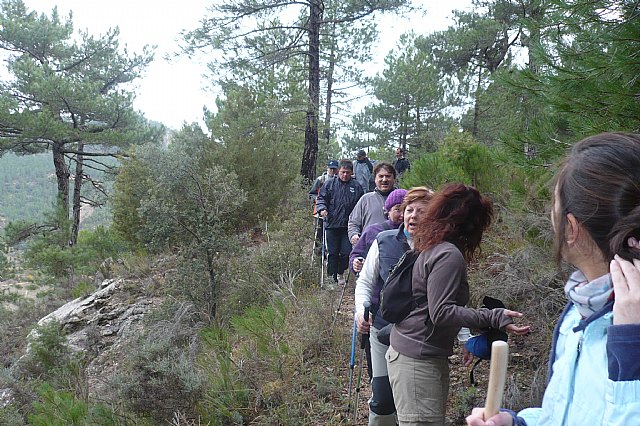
(101, 325)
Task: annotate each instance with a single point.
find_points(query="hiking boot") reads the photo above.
(330, 285)
(340, 280)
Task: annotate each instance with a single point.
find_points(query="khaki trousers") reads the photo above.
(420, 388)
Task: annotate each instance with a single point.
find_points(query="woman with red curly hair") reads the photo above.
(448, 236)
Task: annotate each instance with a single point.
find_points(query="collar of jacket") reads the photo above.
(608, 307)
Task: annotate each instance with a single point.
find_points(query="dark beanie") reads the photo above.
(395, 197)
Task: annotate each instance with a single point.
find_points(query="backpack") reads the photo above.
(480, 345)
(396, 297)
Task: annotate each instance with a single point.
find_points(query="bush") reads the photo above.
(48, 350)
(93, 248)
(226, 396)
(265, 330)
(272, 267)
(433, 170)
(160, 375)
(10, 416)
(130, 188)
(458, 159)
(190, 281)
(59, 408)
(255, 137)
(5, 266)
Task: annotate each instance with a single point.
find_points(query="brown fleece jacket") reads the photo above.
(440, 273)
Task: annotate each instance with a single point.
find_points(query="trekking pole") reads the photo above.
(363, 343)
(352, 362)
(344, 287)
(497, 378)
(323, 240)
(315, 238)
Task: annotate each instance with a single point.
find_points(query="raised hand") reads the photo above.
(626, 286)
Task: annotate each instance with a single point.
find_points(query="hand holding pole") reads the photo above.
(365, 337)
(497, 378)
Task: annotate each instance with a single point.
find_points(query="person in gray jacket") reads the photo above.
(370, 208)
(332, 170)
(363, 170)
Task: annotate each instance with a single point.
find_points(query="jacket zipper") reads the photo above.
(573, 378)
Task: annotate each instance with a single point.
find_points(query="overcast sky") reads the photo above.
(175, 92)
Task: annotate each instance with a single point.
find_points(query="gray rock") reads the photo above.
(102, 324)
(6, 397)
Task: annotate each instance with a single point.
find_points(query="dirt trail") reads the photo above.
(344, 324)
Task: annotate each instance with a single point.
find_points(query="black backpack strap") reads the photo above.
(419, 301)
(472, 380)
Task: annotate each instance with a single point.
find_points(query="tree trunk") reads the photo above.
(418, 131)
(62, 177)
(476, 106)
(77, 186)
(405, 123)
(310, 154)
(536, 14)
(327, 110)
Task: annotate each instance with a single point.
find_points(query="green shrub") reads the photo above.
(59, 408)
(130, 188)
(458, 159)
(5, 266)
(272, 267)
(82, 288)
(433, 170)
(48, 349)
(85, 257)
(10, 416)
(160, 375)
(462, 403)
(226, 396)
(265, 330)
(253, 139)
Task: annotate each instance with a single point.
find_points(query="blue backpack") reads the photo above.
(480, 345)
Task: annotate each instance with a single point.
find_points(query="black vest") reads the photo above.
(391, 246)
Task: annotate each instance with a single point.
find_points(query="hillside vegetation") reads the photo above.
(28, 187)
(28, 191)
(210, 236)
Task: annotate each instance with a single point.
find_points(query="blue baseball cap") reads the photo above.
(332, 164)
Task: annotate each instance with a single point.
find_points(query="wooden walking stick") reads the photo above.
(497, 378)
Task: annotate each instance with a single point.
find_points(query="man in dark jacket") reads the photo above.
(334, 203)
(401, 164)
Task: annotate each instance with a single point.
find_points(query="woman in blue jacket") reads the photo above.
(594, 366)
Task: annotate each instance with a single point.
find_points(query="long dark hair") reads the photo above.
(599, 183)
(458, 214)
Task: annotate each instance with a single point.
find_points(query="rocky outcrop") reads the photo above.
(101, 324)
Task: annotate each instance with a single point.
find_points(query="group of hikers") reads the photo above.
(594, 370)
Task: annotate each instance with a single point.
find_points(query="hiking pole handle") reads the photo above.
(497, 378)
(365, 337)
